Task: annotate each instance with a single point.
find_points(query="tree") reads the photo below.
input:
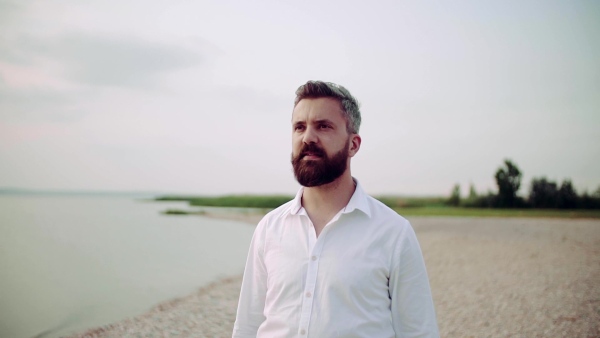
(508, 180)
(567, 196)
(587, 201)
(596, 193)
(472, 192)
(454, 199)
(543, 194)
(472, 199)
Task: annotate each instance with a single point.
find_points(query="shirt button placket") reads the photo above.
(315, 246)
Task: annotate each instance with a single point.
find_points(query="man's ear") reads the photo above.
(355, 141)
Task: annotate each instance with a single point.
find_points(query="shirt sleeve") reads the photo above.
(250, 311)
(413, 314)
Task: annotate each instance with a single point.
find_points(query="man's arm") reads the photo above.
(413, 314)
(254, 287)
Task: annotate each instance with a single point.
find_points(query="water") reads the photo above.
(72, 263)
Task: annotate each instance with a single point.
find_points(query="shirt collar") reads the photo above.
(357, 201)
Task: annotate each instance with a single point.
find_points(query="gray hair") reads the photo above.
(350, 106)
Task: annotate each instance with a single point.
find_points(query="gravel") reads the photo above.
(490, 277)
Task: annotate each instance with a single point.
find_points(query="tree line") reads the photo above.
(543, 193)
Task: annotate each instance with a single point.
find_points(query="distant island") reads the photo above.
(546, 199)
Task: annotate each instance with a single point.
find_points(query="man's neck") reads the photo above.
(323, 202)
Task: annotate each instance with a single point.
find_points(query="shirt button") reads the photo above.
(314, 258)
(308, 294)
(303, 332)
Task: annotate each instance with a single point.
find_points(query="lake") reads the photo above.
(68, 263)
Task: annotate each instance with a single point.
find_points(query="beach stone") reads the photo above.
(490, 277)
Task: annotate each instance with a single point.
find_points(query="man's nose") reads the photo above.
(310, 136)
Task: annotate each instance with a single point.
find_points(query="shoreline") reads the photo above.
(489, 277)
(213, 307)
(251, 219)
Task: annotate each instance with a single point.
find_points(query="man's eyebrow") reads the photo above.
(326, 121)
(298, 124)
(322, 121)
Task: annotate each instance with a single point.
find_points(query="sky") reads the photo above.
(196, 96)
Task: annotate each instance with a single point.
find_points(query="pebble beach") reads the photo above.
(490, 277)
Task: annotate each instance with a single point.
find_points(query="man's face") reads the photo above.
(321, 145)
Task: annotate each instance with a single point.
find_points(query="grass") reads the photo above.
(406, 206)
(481, 212)
(412, 202)
(178, 212)
(239, 201)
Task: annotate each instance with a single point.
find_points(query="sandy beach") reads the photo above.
(490, 277)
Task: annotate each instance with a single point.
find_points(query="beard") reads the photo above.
(313, 173)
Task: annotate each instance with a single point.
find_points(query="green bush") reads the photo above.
(239, 201)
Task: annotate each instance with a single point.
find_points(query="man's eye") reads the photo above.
(324, 126)
(298, 127)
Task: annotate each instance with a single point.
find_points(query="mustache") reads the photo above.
(313, 149)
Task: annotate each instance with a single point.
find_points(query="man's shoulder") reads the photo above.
(380, 211)
(279, 213)
(389, 226)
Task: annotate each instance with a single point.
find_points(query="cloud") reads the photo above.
(109, 61)
(9, 10)
(45, 78)
(37, 105)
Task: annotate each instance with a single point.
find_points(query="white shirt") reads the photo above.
(364, 276)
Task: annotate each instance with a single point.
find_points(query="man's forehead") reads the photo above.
(318, 108)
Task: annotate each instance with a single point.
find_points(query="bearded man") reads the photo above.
(333, 262)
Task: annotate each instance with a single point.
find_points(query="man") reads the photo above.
(333, 262)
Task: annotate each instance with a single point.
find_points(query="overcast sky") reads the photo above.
(196, 96)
